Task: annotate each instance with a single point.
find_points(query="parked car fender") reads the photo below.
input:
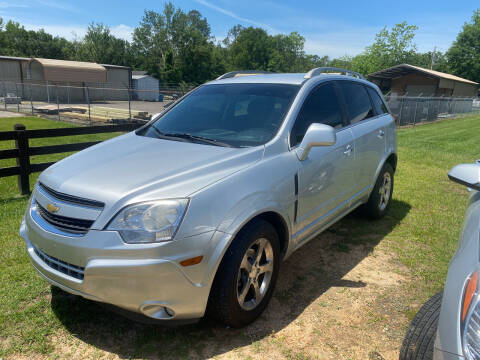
(275, 196)
(223, 239)
(463, 263)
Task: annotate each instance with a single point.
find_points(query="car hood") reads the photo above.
(133, 168)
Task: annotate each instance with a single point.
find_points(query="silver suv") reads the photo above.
(197, 209)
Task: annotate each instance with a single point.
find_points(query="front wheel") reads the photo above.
(381, 196)
(247, 275)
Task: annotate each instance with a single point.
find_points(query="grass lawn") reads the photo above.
(420, 232)
(19, 286)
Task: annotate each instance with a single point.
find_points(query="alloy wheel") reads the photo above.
(385, 191)
(255, 274)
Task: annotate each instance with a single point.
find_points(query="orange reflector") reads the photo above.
(470, 291)
(192, 261)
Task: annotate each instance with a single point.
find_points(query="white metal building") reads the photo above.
(145, 87)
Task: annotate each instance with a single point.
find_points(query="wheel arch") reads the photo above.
(275, 218)
(391, 159)
(278, 221)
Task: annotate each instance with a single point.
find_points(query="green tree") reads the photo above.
(100, 46)
(15, 40)
(250, 50)
(176, 46)
(391, 47)
(254, 49)
(287, 53)
(343, 62)
(464, 54)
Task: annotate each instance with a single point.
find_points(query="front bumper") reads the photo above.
(145, 278)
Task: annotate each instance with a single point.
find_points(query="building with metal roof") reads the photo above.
(146, 87)
(412, 80)
(58, 71)
(36, 76)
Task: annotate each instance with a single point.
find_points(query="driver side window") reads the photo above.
(321, 106)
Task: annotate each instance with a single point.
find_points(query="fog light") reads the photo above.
(157, 310)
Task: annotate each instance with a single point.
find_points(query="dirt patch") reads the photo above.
(343, 306)
(9, 114)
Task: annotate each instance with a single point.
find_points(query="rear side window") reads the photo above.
(378, 103)
(321, 106)
(357, 100)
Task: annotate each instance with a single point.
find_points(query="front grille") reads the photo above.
(67, 224)
(74, 271)
(70, 198)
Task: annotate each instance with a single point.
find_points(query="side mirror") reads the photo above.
(316, 135)
(466, 174)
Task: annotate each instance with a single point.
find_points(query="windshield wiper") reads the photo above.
(190, 137)
(194, 138)
(159, 133)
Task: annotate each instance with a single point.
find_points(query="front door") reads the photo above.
(325, 178)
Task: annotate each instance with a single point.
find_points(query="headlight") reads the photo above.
(149, 222)
(470, 319)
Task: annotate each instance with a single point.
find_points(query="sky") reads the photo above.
(329, 27)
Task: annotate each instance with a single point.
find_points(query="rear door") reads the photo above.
(368, 128)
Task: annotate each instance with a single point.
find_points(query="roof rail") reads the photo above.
(232, 74)
(322, 70)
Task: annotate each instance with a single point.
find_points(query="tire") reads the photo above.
(233, 282)
(420, 337)
(376, 208)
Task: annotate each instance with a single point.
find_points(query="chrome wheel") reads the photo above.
(385, 191)
(255, 273)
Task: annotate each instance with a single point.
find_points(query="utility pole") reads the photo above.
(433, 57)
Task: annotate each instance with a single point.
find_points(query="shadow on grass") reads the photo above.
(304, 277)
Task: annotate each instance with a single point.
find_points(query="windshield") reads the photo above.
(238, 115)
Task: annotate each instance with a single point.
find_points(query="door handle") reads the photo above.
(348, 150)
(381, 134)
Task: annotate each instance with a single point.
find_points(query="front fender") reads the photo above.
(250, 207)
(234, 221)
(267, 186)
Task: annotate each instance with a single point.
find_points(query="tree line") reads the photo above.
(177, 46)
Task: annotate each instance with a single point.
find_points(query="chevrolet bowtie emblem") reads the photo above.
(52, 208)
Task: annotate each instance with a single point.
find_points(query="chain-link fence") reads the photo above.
(108, 105)
(88, 105)
(411, 110)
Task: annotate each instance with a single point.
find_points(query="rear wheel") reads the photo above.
(420, 337)
(381, 196)
(247, 275)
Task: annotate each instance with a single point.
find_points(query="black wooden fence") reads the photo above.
(23, 151)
